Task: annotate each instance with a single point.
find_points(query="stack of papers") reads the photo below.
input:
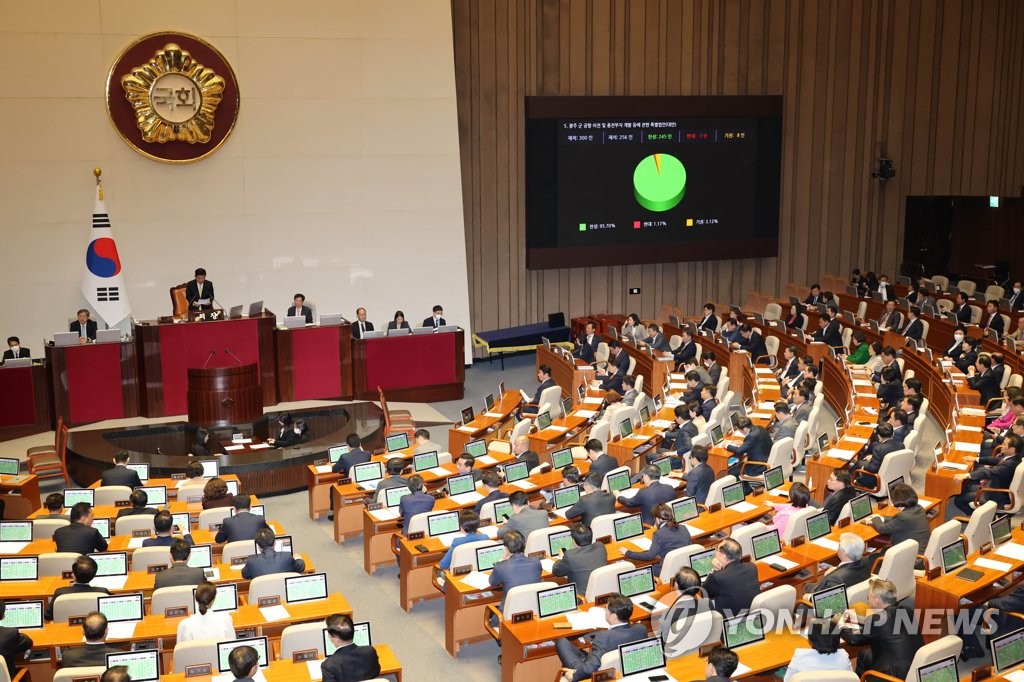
(12, 547)
(490, 531)
(845, 455)
(855, 439)
(478, 580)
(448, 538)
(674, 482)
(588, 620)
(523, 485)
(967, 447)
(994, 565)
(323, 468)
(231, 448)
(135, 543)
(760, 415)
(438, 471)
(260, 446)
(384, 514)
(122, 629)
(486, 460)
(743, 507)
(693, 531)
(642, 543)
(494, 415)
(467, 429)
(111, 582)
(953, 465)
(1011, 550)
(585, 414)
(593, 400)
(973, 411)
(972, 429)
(466, 498)
(780, 561)
(661, 423)
(312, 667)
(272, 613)
(830, 545)
(557, 429)
(629, 493)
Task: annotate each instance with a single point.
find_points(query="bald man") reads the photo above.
(523, 453)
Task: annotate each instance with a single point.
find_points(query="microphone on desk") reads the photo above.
(159, 451)
(238, 359)
(209, 357)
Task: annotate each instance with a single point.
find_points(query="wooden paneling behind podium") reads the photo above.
(221, 396)
(936, 86)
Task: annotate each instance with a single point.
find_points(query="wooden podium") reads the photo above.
(221, 396)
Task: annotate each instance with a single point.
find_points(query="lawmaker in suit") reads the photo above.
(752, 342)
(687, 350)
(95, 651)
(521, 449)
(633, 329)
(891, 318)
(436, 318)
(355, 455)
(711, 366)
(962, 308)
(594, 502)
(841, 491)
(267, 560)
(299, 307)
(84, 570)
(199, 292)
(13, 644)
(668, 535)
(892, 644)
(179, 573)
(243, 525)
(709, 320)
(997, 476)
(525, 519)
(517, 568)
(620, 631)
(796, 319)
(732, 584)
(618, 357)
(399, 321)
(983, 380)
(611, 379)
(422, 443)
(828, 332)
(138, 501)
(84, 327)
(349, 662)
(361, 325)
(914, 328)
(701, 475)
(650, 496)
(876, 454)
(992, 319)
(754, 449)
(120, 474)
(79, 536)
(417, 502)
(298, 433)
(544, 377)
(244, 663)
(586, 345)
(815, 296)
(576, 564)
(492, 488)
(911, 523)
(15, 350)
(679, 439)
(851, 570)
(469, 523)
(785, 424)
(163, 525)
(600, 463)
(395, 467)
(657, 340)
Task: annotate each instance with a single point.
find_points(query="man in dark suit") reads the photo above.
(267, 560)
(517, 568)
(244, 663)
(578, 563)
(84, 570)
(962, 308)
(751, 341)
(521, 449)
(815, 296)
(415, 503)
(95, 651)
(600, 463)
(361, 325)
(525, 519)
(492, 486)
(54, 505)
(687, 349)
(888, 356)
(873, 456)
(1016, 297)
(693, 385)
(828, 332)
(893, 645)
(983, 380)
(299, 307)
(708, 320)
(754, 449)
(138, 501)
(14, 644)
(701, 475)
(544, 377)
(179, 573)
(997, 476)
(679, 439)
(349, 661)
(15, 350)
(840, 491)
(436, 319)
(618, 357)
(620, 631)
(885, 289)
(852, 568)
(199, 292)
(731, 583)
(722, 663)
(914, 328)
(711, 366)
(395, 466)
(891, 318)
(163, 526)
(84, 327)
(244, 524)
(79, 536)
(650, 496)
(611, 378)
(789, 367)
(900, 421)
(120, 474)
(586, 345)
(355, 455)
(594, 502)
(657, 340)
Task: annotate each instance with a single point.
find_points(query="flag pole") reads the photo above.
(99, 182)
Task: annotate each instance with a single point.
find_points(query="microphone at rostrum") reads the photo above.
(209, 357)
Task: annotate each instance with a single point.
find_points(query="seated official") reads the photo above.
(995, 477)
(829, 332)
(657, 340)
(890, 390)
(957, 346)
(815, 296)
(299, 307)
(629, 386)
(610, 378)
(982, 379)
(799, 499)
(577, 563)
(206, 623)
(492, 489)
(215, 494)
(618, 357)
(199, 292)
(679, 439)
(992, 319)
(825, 652)
(418, 502)
(751, 341)
(516, 568)
(120, 474)
(298, 433)
(84, 327)
(361, 325)
(593, 502)
(914, 328)
(851, 570)
(700, 476)
(891, 318)
(582, 665)
(544, 377)
(350, 662)
(802, 404)
(244, 524)
(284, 424)
(711, 366)
(668, 535)
(138, 501)
(244, 663)
(205, 444)
(708, 320)
(861, 349)
(911, 523)
(785, 424)
(15, 350)
(525, 519)
(421, 441)
(732, 584)
(79, 536)
(633, 329)
(469, 524)
(874, 454)
(465, 464)
(968, 354)
(796, 320)
(651, 495)
(686, 351)
(687, 584)
(84, 570)
(754, 449)
(95, 651)
(268, 560)
(395, 467)
(163, 526)
(840, 491)
(399, 322)
(13, 644)
(722, 663)
(521, 449)
(179, 573)
(54, 505)
(600, 462)
(355, 455)
(893, 645)
(436, 319)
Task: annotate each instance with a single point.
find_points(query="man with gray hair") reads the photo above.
(731, 583)
(894, 637)
(523, 453)
(851, 570)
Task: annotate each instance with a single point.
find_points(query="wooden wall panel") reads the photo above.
(936, 85)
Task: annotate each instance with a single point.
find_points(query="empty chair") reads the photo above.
(944, 305)
(55, 563)
(551, 395)
(976, 313)
(127, 525)
(715, 491)
(939, 538)
(109, 495)
(772, 311)
(780, 599)
(601, 354)
(211, 517)
(604, 580)
(67, 605)
(144, 557)
(601, 432)
(941, 282)
(897, 566)
(302, 637)
(698, 630)
(172, 598)
(239, 548)
(268, 586)
(42, 529)
(967, 287)
(675, 341)
(994, 292)
(949, 646)
(605, 524)
(195, 652)
(744, 534)
(978, 532)
(537, 541)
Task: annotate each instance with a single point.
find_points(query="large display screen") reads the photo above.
(620, 180)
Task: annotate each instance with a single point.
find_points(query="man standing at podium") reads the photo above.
(85, 327)
(361, 325)
(199, 292)
(299, 308)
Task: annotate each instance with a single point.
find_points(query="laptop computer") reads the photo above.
(556, 600)
(468, 414)
(766, 544)
(817, 526)
(156, 495)
(616, 481)
(561, 458)
(733, 495)
(424, 461)
(684, 509)
(331, 319)
(295, 321)
(108, 336)
(65, 338)
(1007, 650)
(664, 465)
(476, 448)
(639, 658)
(516, 471)
(73, 496)
(111, 570)
(954, 555)
(502, 510)
(543, 420)
(829, 602)
(255, 308)
(367, 475)
(335, 453)
(626, 527)
(566, 496)
(625, 428)
(460, 485)
(302, 588)
(142, 665)
(488, 555)
(1001, 530)
(235, 312)
(19, 568)
(392, 496)
(637, 585)
(141, 469)
(743, 630)
(860, 507)
(939, 671)
(226, 599)
(15, 531)
(774, 478)
(23, 615)
(103, 526)
(232, 486)
(702, 562)
(716, 434)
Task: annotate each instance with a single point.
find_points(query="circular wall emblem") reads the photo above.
(172, 97)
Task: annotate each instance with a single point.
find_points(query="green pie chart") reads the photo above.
(659, 182)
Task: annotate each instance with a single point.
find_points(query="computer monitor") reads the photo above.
(467, 414)
(501, 390)
(625, 428)
(19, 568)
(702, 562)
(734, 417)
(9, 466)
(200, 556)
(396, 442)
(823, 443)
(559, 541)
(283, 543)
(1007, 650)
(829, 602)
(502, 510)
(180, 522)
(641, 657)
(424, 461)
(766, 544)
(121, 607)
(142, 665)
(860, 507)
(23, 615)
(111, 563)
(255, 308)
(367, 471)
(103, 526)
(732, 494)
(581, 392)
(477, 448)
(664, 465)
(211, 468)
(141, 469)
(645, 414)
(636, 582)
(443, 523)
(939, 671)
(516, 471)
(1001, 530)
(894, 482)
(392, 496)
(817, 526)
(716, 434)
(488, 402)
(156, 495)
(566, 406)
(488, 555)
(954, 555)
(774, 478)
(556, 600)
(224, 650)
(232, 486)
(305, 588)
(226, 599)
(256, 510)
(626, 527)
(15, 531)
(73, 496)
(684, 509)
(543, 420)
(743, 630)
(360, 637)
(457, 485)
(561, 458)
(336, 453)
(566, 496)
(617, 480)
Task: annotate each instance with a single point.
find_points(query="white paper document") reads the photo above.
(260, 446)
(830, 545)
(323, 468)
(967, 447)
(486, 460)
(478, 580)
(438, 471)
(743, 507)
(12, 547)
(973, 411)
(855, 439)
(780, 561)
(467, 429)
(448, 538)
(523, 484)
(588, 620)
(384, 514)
(272, 613)
(593, 400)
(585, 414)
(312, 667)
(121, 630)
(1000, 566)
(466, 498)
(629, 493)
(494, 415)
(971, 429)
(557, 429)
(111, 582)
(642, 543)
(760, 415)
(232, 448)
(845, 455)
(547, 565)
(1011, 550)
(958, 466)
(661, 423)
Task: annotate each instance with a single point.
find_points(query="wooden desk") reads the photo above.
(568, 376)
(320, 490)
(95, 381)
(485, 425)
(773, 653)
(314, 363)
(25, 401)
(287, 671)
(25, 485)
(554, 437)
(416, 367)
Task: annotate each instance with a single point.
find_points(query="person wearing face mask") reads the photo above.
(1016, 299)
(435, 320)
(15, 350)
(954, 351)
(294, 435)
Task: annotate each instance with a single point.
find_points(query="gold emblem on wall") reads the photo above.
(172, 97)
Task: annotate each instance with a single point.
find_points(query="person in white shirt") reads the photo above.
(825, 652)
(207, 624)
